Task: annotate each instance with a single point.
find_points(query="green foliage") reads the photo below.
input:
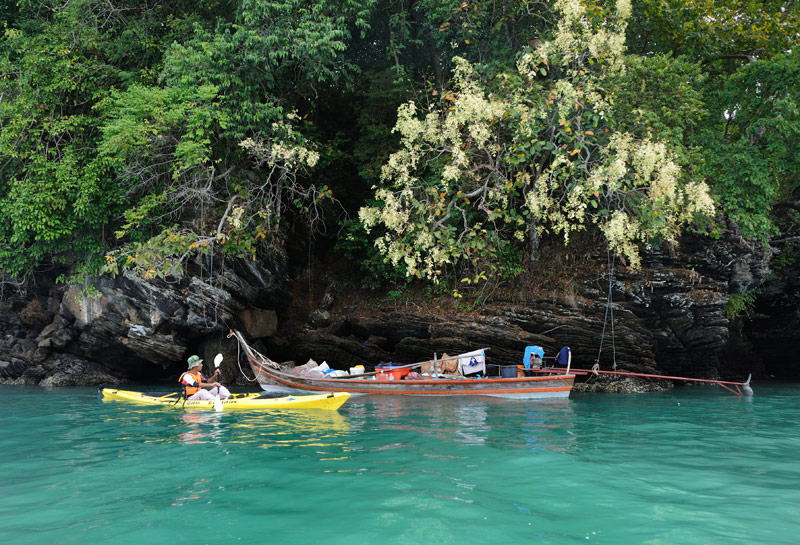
(485, 32)
(143, 216)
(782, 263)
(143, 130)
(745, 144)
(659, 97)
(382, 94)
(480, 174)
(741, 304)
(54, 194)
(161, 256)
(149, 124)
(102, 119)
(357, 246)
(219, 128)
(58, 66)
(714, 30)
(755, 144)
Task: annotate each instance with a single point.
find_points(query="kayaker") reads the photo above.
(195, 382)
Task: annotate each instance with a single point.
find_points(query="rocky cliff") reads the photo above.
(126, 328)
(669, 318)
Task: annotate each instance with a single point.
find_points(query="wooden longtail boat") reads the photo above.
(269, 374)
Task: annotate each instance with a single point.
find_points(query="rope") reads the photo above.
(239, 363)
(252, 354)
(611, 306)
(211, 282)
(609, 309)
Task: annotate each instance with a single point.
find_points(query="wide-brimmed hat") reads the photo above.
(194, 361)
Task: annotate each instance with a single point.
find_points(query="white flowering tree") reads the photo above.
(482, 174)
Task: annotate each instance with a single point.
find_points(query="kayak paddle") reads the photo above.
(217, 401)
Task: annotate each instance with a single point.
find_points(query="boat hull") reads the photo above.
(250, 401)
(538, 387)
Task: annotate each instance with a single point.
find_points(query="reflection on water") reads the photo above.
(263, 428)
(201, 427)
(471, 421)
(197, 491)
(547, 425)
(270, 429)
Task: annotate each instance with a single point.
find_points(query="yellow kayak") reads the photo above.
(248, 401)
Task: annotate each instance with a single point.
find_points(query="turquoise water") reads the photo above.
(692, 466)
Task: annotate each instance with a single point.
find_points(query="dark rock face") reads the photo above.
(131, 320)
(621, 385)
(667, 319)
(774, 327)
(258, 323)
(134, 329)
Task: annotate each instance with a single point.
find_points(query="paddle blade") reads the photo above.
(217, 401)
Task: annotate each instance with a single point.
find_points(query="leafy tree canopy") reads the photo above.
(714, 30)
(138, 134)
(478, 174)
(753, 148)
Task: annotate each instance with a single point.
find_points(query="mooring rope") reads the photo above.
(609, 309)
(239, 362)
(611, 306)
(251, 353)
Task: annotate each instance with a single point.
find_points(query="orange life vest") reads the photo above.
(192, 389)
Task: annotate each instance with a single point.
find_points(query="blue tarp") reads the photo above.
(526, 359)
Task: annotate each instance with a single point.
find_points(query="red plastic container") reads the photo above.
(387, 373)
